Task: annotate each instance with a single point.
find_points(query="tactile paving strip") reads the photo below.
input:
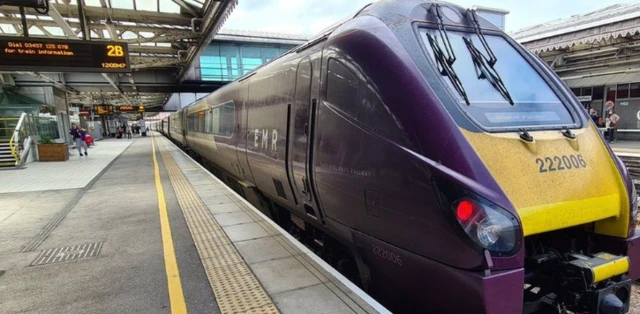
(236, 288)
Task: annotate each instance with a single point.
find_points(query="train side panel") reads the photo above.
(212, 129)
(269, 100)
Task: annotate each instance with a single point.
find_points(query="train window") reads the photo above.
(535, 103)
(201, 119)
(223, 119)
(191, 121)
(342, 88)
(208, 117)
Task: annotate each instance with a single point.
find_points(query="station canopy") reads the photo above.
(162, 36)
(596, 48)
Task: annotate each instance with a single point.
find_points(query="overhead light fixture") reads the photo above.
(41, 6)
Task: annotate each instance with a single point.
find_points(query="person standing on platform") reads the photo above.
(128, 132)
(613, 126)
(594, 116)
(78, 135)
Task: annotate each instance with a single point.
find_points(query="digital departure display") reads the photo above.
(130, 108)
(60, 55)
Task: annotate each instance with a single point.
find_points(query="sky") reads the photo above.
(311, 16)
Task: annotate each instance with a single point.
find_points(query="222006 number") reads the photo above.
(558, 163)
(386, 254)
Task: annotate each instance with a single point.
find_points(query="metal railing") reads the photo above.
(20, 140)
(18, 133)
(7, 126)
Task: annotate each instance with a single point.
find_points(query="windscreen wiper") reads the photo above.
(446, 67)
(484, 65)
(445, 62)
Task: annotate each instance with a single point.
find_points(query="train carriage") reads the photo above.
(433, 160)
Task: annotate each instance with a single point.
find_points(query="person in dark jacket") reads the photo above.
(594, 117)
(78, 135)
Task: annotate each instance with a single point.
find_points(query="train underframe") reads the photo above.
(576, 271)
(566, 271)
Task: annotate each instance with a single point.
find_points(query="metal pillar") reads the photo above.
(25, 28)
(86, 33)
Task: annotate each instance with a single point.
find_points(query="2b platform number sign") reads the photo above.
(115, 51)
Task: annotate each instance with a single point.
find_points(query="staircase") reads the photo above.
(6, 158)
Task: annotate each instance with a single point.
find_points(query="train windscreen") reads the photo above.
(497, 87)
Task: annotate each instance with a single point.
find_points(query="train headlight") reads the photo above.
(490, 226)
(482, 223)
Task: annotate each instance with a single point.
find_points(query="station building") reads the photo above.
(232, 54)
(596, 54)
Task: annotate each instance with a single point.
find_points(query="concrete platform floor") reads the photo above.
(118, 212)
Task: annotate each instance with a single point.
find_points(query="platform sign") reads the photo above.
(61, 55)
(609, 105)
(130, 108)
(102, 110)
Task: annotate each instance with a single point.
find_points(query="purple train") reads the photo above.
(432, 160)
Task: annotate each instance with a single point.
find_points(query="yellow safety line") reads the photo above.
(176, 296)
(235, 287)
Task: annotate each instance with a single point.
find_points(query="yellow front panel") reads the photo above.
(552, 200)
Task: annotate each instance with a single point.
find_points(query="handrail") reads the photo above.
(15, 137)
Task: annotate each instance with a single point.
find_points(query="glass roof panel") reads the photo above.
(147, 5)
(106, 34)
(94, 3)
(168, 6)
(122, 4)
(197, 4)
(57, 31)
(35, 31)
(8, 28)
(128, 35)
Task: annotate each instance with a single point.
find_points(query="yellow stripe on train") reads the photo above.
(616, 267)
(541, 218)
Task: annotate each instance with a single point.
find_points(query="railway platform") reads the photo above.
(139, 227)
(626, 147)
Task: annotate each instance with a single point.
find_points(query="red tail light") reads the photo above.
(465, 210)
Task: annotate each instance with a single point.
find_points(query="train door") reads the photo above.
(300, 133)
(242, 132)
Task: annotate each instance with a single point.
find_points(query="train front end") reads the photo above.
(569, 215)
